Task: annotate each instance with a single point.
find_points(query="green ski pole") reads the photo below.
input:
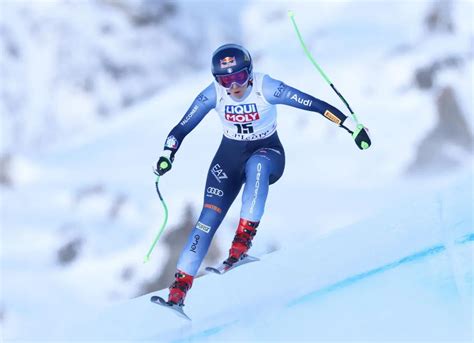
(323, 74)
(163, 165)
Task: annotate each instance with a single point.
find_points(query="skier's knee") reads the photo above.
(257, 169)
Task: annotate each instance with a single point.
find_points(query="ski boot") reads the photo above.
(242, 241)
(180, 287)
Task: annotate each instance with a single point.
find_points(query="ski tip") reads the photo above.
(224, 267)
(159, 300)
(178, 310)
(252, 258)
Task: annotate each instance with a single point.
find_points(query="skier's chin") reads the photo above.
(237, 92)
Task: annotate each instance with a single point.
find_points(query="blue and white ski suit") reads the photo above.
(250, 153)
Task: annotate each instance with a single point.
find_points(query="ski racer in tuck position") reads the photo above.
(249, 154)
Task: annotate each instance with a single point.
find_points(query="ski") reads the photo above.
(225, 267)
(175, 308)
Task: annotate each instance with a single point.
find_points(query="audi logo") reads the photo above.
(215, 191)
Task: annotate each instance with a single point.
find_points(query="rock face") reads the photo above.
(70, 251)
(5, 170)
(425, 77)
(447, 144)
(439, 17)
(451, 134)
(452, 126)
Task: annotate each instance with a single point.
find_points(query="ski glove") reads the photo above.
(164, 163)
(359, 133)
(361, 137)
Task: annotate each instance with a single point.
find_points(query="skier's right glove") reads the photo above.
(164, 163)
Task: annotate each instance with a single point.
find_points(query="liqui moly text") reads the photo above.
(241, 113)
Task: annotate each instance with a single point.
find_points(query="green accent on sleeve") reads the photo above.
(164, 165)
(365, 145)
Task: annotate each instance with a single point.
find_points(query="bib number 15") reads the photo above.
(244, 128)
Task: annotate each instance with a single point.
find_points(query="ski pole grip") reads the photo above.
(164, 165)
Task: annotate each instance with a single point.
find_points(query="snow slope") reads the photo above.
(402, 275)
(71, 190)
(69, 65)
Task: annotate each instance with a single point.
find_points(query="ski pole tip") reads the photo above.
(291, 14)
(146, 259)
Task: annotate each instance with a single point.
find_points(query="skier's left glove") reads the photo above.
(358, 131)
(165, 163)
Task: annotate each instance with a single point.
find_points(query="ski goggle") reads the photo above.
(240, 78)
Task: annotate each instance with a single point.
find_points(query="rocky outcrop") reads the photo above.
(446, 145)
(70, 251)
(436, 152)
(5, 170)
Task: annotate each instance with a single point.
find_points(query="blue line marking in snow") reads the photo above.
(350, 280)
(468, 238)
(341, 284)
(206, 333)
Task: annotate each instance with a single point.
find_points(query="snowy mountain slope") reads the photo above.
(409, 278)
(67, 65)
(94, 190)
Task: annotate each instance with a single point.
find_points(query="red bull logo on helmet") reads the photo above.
(228, 62)
(241, 113)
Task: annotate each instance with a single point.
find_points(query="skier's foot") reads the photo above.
(180, 287)
(242, 240)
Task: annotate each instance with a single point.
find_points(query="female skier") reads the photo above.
(250, 153)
